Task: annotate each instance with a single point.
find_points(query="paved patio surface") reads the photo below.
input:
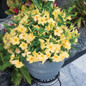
(74, 74)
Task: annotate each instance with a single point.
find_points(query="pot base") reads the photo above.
(52, 82)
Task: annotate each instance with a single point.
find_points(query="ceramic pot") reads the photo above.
(45, 71)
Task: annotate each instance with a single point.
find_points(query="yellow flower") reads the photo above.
(23, 46)
(64, 54)
(42, 20)
(42, 57)
(12, 57)
(35, 54)
(31, 37)
(30, 58)
(76, 40)
(46, 14)
(15, 40)
(51, 21)
(56, 12)
(56, 58)
(23, 36)
(5, 40)
(58, 31)
(24, 20)
(17, 63)
(48, 28)
(26, 53)
(69, 18)
(10, 51)
(35, 11)
(37, 26)
(67, 44)
(36, 17)
(42, 43)
(21, 28)
(62, 37)
(13, 32)
(57, 48)
(7, 45)
(17, 50)
(48, 55)
(51, 47)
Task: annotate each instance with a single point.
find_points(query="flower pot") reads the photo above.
(45, 71)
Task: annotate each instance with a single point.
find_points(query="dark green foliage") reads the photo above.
(25, 73)
(16, 77)
(78, 9)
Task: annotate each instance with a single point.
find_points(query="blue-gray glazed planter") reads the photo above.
(44, 71)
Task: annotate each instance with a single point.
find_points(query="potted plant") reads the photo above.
(40, 39)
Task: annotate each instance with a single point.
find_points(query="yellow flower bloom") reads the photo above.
(42, 43)
(10, 51)
(67, 44)
(51, 47)
(58, 31)
(26, 53)
(51, 21)
(69, 18)
(17, 63)
(7, 45)
(30, 58)
(56, 12)
(62, 37)
(36, 17)
(35, 11)
(48, 55)
(31, 37)
(57, 48)
(17, 51)
(21, 28)
(64, 54)
(37, 26)
(12, 57)
(42, 20)
(42, 57)
(24, 20)
(46, 14)
(56, 58)
(13, 32)
(35, 54)
(48, 28)
(15, 40)
(23, 46)
(23, 36)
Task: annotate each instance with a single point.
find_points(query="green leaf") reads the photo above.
(1, 37)
(74, 48)
(4, 66)
(8, 12)
(25, 72)
(16, 77)
(70, 9)
(47, 4)
(79, 22)
(24, 8)
(18, 4)
(60, 18)
(37, 4)
(12, 4)
(31, 23)
(1, 47)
